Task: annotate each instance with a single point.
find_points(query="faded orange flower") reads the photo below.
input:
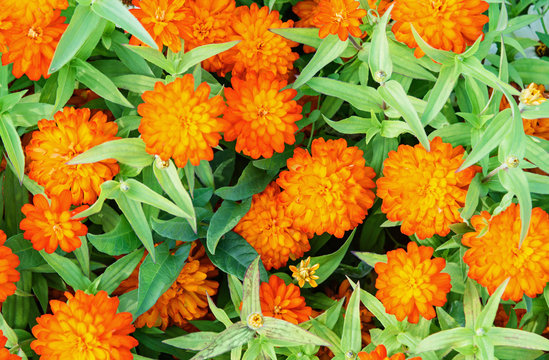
(341, 17)
(268, 228)
(87, 327)
(422, 189)
(57, 141)
(48, 226)
(5, 353)
(495, 255)
(210, 25)
(329, 189)
(186, 299)
(259, 49)
(380, 353)
(8, 270)
(260, 114)
(165, 20)
(444, 24)
(283, 301)
(411, 283)
(181, 122)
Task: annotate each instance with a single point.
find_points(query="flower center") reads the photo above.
(160, 14)
(277, 310)
(58, 231)
(262, 112)
(339, 16)
(437, 4)
(520, 256)
(201, 31)
(35, 33)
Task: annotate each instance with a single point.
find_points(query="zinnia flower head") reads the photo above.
(57, 141)
(341, 17)
(259, 49)
(48, 226)
(268, 228)
(329, 189)
(422, 189)
(31, 40)
(86, 327)
(283, 301)
(306, 10)
(381, 7)
(5, 353)
(186, 299)
(165, 20)
(533, 95)
(8, 273)
(260, 114)
(411, 283)
(444, 24)
(210, 25)
(181, 122)
(305, 273)
(495, 255)
(380, 353)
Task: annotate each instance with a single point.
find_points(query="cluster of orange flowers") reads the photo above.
(380, 353)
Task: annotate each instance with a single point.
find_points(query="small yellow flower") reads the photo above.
(532, 95)
(255, 321)
(305, 273)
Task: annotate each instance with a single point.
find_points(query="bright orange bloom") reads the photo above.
(380, 353)
(259, 49)
(339, 17)
(411, 283)
(86, 327)
(8, 273)
(328, 191)
(306, 10)
(533, 95)
(57, 141)
(31, 42)
(50, 226)
(5, 353)
(382, 7)
(268, 228)
(186, 299)
(181, 122)
(165, 20)
(210, 25)
(261, 115)
(495, 255)
(444, 24)
(283, 301)
(422, 189)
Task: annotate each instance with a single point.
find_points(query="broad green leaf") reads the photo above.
(119, 271)
(536, 153)
(370, 258)
(137, 219)
(128, 151)
(28, 257)
(353, 125)
(193, 341)
(98, 82)
(510, 353)
(351, 339)
(177, 229)
(135, 83)
(201, 53)
(251, 182)
(68, 270)
(250, 291)
(532, 70)
(155, 277)
(133, 61)
(440, 92)
(277, 329)
(7, 102)
(471, 304)
(83, 23)
(115, 11)
(538, 184)
(363, 98)
(309, 36)
(380, 61)
(515, 181)
(446, 339)
(224, 219)
(330, 49)
(205, 174)
(406, 64)
(395, 96)
(473, 67)
(445, 320)
(472, 197)
(153, 56)
(488, 314)
(394, 128)
(236, 335)
(8, 332)
(28, 114)
(440, 56)
(12, 145)
(119, 241)
(517, 338)
(65, 86)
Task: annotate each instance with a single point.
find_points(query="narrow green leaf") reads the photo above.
(7, 102)
(137, 219)
(251, 182)
(363, 98)
(471, 304)
(153, 56)
(28, 257)
(109, 190)
(379, 60)
(517, 338)
(12, 145)
(277, 329)
(485, 348)
(205, 174)
(440, 92)
(82, 254)
(536, 153)
(377, 309)
(224, 219)
(446, 320)
(370, 258)
(193, 341)
(473, 67)
(446, 339)
(250, 291)
(119, 271)
(135, 83)
(128, 151)
(488, 314)
(65, 86)
(201, 53)
(515, 181)
(351, 339)
(325, 332)
(472, 198)
(309, 36)
(236, 335)
(68, 270)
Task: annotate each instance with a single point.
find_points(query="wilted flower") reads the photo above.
(8, 265)
(305, 273)
(534, 94)
(341, 17)
(283, 301)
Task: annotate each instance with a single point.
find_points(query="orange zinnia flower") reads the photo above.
(86, 327)
(382, 7)
(181, 122)
(165, 20)
(5, 353)
(8, 264)
(186, 299)
(261, 115)
(283, 301)
(31, 42)
(259, 48)
(328, 191)
(49, 226)
(306, 10)
(444, 24)
(495, 255)
(411, 283)
(57, 141)
(422, 189)
(210, 25)
(268, 228)
(339, 17)
(380, 353)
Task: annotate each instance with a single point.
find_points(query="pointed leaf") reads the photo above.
(446, 339)
(117, 272)
(193, 341)
(363, 98)
(250, 291)
(201, 53)
(68, 270)
(224, 220)
(488, 314)
(471, 304)
(370, 258)
(277, 329)
(380, 58)
(309, 36)
(128, 151)
(252, 181)
(137, 219)
(236, 335)
(12, 145)
(351, 339)
(517, 338)
(440, 56)
(515, 181)
(440, 92)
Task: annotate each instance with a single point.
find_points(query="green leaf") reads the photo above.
(12, 145)
(117, 272)
(277, 329)
(28, 114)
(536, 153)
(119, 241)
(329, 50)
(363, 98)
(28, 257)
(115, 11)
(109, 190)
(251, 182)
(205, 174)
(395, 96)
(98, 82)
(128, 151)
(351, 339)
(532, 70)
(309, 36)
(250, 291)
(68, 270)
(325, 332)
(380, 58)
(515, 181)
(485, 348)
(83, 23)
(353, 125)
(65, 86)
(488, 314)
(137, 219)
(135, 83)
(7, 102)
(153, 56)
(517, 338)
(440, 56)
(473, 67)
(370, 258)
(236, 335)
(176, 229)
(472, 197)
(377, 309)
(440, 92)
(193, 341)
(224, 219)
(446, 339)
(201, 53)
(157, 277)
(471, 304)
(406, 64)
(219, 314)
